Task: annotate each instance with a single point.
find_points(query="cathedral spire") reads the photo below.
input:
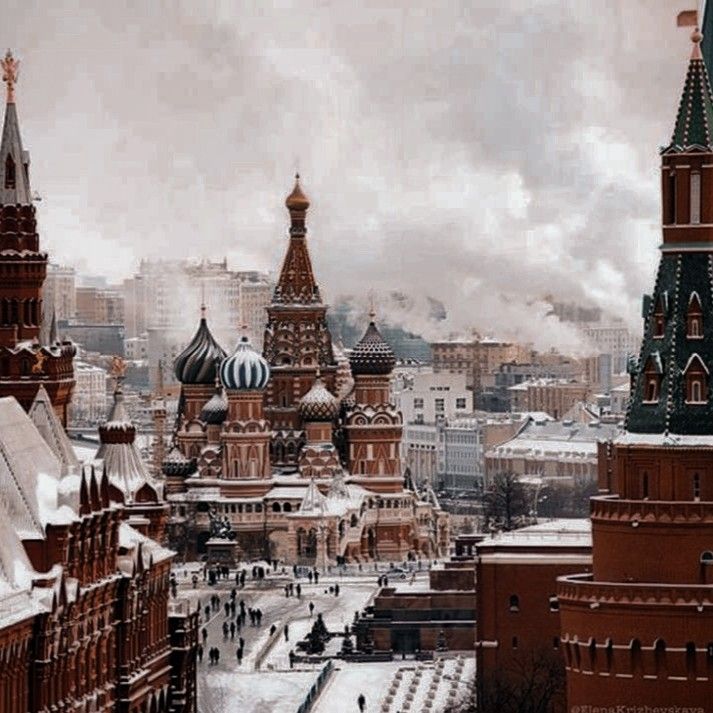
(14, 161)
(296, 284)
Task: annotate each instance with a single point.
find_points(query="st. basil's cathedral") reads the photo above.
(297, 448)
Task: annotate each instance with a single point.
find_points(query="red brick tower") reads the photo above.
(297, 340)
(24, 363)
(372, 424)
(638, 631)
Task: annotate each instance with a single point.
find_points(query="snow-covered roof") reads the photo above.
(29, 475)
(664, 439)
(48, 424)
(563, 532)
(137, 545)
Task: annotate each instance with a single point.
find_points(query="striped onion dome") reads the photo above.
(318, 404)
(216, 408)
(244, 369)
(372, 356)
(197, 363)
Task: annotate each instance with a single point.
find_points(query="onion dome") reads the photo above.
(216, 408)
(297, 200)
(197, 363)
(244, 369)
(175, 463)
(318, 404)
(372, 355)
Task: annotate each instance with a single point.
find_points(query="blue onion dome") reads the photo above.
(175, 463)
(198, 362)
(216, 408)
(318, 404)
(372, 355)
(244, 369)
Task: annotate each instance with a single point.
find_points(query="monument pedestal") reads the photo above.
(222, 551)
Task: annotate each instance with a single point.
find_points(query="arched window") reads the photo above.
(653, 374)
(660, 656)
(694, 317)
(514, 642)
(707, 557)
(554, 603)
(635, 648)
(695, 195)
(514, 603)
(696, 486)
(10, 181)
(275, 507)
(696, 376)
(555, 642)
(286, 507)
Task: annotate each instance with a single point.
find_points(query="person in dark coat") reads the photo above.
(286, 633)
(200, 653)
(361, 702)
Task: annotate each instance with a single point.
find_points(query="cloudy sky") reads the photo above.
(485, 152)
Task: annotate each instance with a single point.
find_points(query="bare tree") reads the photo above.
(533, 683)
(506, 502)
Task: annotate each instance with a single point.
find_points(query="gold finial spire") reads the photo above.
(10, 72)
(372, 306)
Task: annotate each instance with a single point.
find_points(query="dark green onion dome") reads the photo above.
(318, 404)
(175, 463)
(216, 408)
(198, 362)
(372, 355)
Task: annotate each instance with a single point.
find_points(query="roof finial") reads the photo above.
(696, 38)
(372, 306)
(10, 72)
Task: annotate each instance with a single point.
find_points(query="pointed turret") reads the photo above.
(694, 123)
(296, 284)
(14, 161)
(672, 387)
(707, 28)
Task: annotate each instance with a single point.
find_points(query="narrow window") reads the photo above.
(659, 326)
(554, 603)
(514, 603)
(696, 381)
(556, 642)
(691, 659)
(671, 203)
(694, 318)
(514, 642)
(696, 486)
(9, 172)
(695, 197)
(645, 485)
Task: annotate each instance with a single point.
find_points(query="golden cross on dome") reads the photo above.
(10, 72)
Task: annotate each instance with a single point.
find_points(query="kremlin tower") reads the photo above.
(638, 631)
(25, 364)
(297, 340)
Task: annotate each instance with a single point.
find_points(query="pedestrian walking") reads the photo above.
(299, 590)
(225, 629)
(204, 632)
(310, 576)
(200, 653)
(287, 591)
(232, 630)
(316, 577)
(361, 702)
(226, 607)
(311, 609)
(239, 654)
(286, 633)
(241, 641)
(258, 615)
(207, 613)
(336, 590)
(292, 658)
(217, 655)
(273, 629)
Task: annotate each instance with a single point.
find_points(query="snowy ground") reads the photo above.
(274, 688)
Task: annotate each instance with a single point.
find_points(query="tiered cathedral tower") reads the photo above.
(639, 630)
(24, 363)
(297, 340)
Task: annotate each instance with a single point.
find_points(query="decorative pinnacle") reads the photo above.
(696, 38)
(372, 307)
(10, 72)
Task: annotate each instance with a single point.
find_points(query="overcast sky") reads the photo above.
(482, 152)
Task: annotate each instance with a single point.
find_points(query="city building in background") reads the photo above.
(59, 296)
(89, 401)
(425, 397)
(99, 306)
(553, 396)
